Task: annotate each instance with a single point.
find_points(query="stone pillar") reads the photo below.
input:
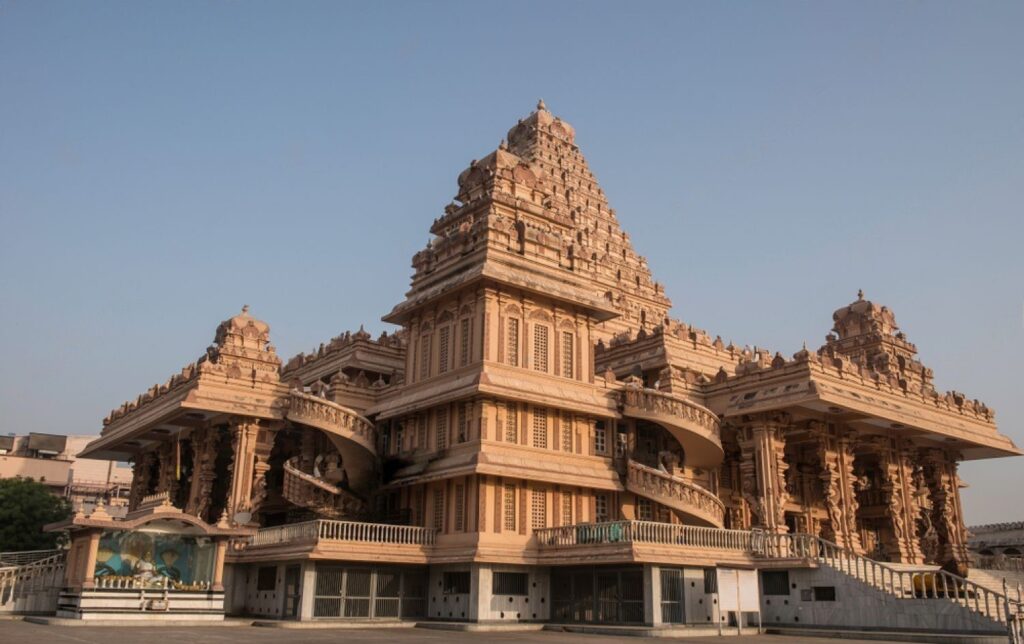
(947, 516)
(218, 563)
(204, 460)
(895, 461)
(89, 566)
(763, 470)
(244, 432)
(167, 480)
(835, 454)
(261, 451)
(141, 478)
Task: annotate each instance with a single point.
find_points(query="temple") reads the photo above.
(539, 441)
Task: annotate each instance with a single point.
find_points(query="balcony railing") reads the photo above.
(614, 532)
(657, 402)
(678, 493)
(357, 531)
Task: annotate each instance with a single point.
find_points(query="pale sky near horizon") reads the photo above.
(163, 163)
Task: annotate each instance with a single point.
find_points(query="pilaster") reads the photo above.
(763, 468)
(244, 432)
(835, 454)
(943, 483)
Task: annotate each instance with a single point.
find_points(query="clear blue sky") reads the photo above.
(162, 164)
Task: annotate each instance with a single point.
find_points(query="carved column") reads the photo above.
(141, 478)
(941, 475)
(167, 480)
(204, 459)
(895, 461)
(244, 432)
(763, 470)
(264, 445)
(835, 454)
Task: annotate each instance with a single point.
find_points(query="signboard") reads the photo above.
(738, 590)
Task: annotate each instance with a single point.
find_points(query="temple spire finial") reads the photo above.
(245, 308)
(541, 107)
(860, 294)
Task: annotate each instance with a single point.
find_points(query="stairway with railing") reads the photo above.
(1005, 609)
(31, 587)
(308, 491)
(685, 497)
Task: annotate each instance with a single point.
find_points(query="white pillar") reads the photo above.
(308, 596)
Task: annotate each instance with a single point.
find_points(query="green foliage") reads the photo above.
(25, 507)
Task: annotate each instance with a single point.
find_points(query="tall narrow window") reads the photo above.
(511, 423)
(540, 427)
(424, 356)
(538, 509)
(421, 432)
(600, 439)
(601, 508)
(463, 431)
(399, 437)
(566, 508)
(460, 508)
(464, 342)
(439, 509)
(512, 350)
(442, 348)
(509, 501)
(442, 428)
(567, 354)
(417, 507)
(540, 347)
(644, 511)
(567, 433)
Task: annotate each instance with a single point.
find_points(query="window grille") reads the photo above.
(601, 508)
(566, 433)
(464, 342)
(538, 509)
(417, 507)
(512, 350)
(442, 348)
(775, 582)
(511, 583)
(439, 509)
(644, 511)
(540, 427)
(510, 507)
(566, 508)
(600, 439)
(460, 508)
(455, 583)
(567, 354)
(424, 356)
(421, 432)
(511, 423)
(399, 435)
(266, 578)
(540, 347)
(442, 428)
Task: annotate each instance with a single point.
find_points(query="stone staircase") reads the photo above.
(32, 587)
(323, 498)
(685, 497)
(1003, 606)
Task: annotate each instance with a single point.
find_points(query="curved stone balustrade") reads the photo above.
(353, 435)
(695, 427)
(308, 491)
(679, 494)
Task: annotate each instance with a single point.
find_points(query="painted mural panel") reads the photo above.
(155, 559)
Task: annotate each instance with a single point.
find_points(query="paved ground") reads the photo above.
(18, 632)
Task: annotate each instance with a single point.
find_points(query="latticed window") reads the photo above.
(538, 509)
(460, 507)
(443, 337)
(512, 350)
(644, 511)
(540, 427)
(601, 508)
(511, 423)
(567, 354)
(566, 433)
(464, 410)
(442, 428)
(540, 347)
(421, 432)
(424, 356)
(417, 507)
(600, 439)
(509, 501)
(439, 509)
(566, 508)
(464, 342)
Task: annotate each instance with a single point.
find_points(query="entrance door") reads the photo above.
(292, 592)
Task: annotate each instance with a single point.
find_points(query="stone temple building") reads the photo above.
(538, 440)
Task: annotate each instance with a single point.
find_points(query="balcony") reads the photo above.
(685, 497)
(353, 435)
(323, 530)
(644, 541)
(695, 427)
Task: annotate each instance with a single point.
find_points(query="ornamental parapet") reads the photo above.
(331, 417)
(696, 427)
(613, 532)
(675, 492)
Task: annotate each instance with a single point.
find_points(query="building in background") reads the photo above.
(52, 459)
(540, 441)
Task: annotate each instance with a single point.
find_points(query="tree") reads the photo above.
(25, 507)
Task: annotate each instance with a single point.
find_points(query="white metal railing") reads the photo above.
(645, 532)
(23, 557)
(358, 531)
(33, 586)
(1005, 608)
